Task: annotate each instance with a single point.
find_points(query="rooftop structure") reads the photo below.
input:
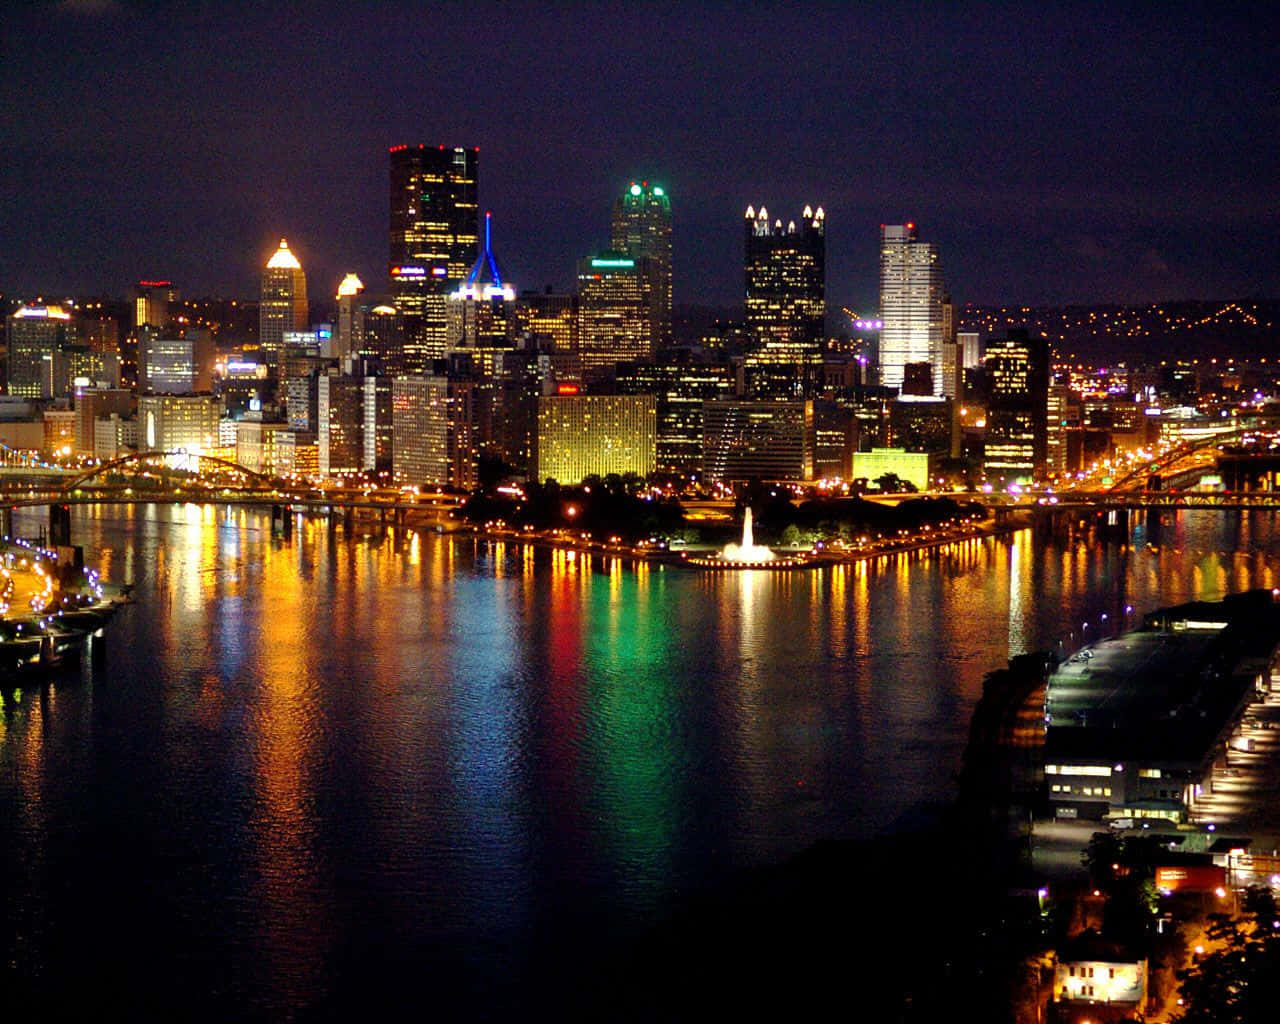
(1135, 722)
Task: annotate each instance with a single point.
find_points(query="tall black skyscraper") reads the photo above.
(786, 290)
(435, 233)
(1017, 439)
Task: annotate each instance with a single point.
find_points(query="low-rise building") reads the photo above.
(1097, 981)
(1135, 722)
(911, 467)
(255, 446)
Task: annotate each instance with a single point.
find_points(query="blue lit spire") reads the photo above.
(487, 260)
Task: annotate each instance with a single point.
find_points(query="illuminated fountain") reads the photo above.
(748, 550)
(749, 554)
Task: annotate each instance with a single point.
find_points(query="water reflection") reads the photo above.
(436, 745)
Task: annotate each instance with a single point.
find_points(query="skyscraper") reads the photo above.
(641, 227)
(1017, 441)
(284, 303)
(176, 362)
(36, 333)
(910, 305)
(786, 287)
(613, 311)
(481, 310)
(350, 317)
(435, 231)
(151, 303)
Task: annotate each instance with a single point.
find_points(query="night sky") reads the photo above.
(1093, 152)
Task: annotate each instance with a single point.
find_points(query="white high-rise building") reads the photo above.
(911, 296)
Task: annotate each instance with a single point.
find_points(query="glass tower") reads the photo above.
(641, 227)
(614, 310)
(435, 232)
(786, 288)
(911, 296)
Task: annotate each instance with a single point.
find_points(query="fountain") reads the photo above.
(748, 554)
(748, 550)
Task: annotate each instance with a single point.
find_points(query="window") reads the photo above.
(1148, 773)
(1077, 769)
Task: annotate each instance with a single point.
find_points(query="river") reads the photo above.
(323, 767)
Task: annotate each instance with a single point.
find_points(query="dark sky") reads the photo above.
(1055, 152)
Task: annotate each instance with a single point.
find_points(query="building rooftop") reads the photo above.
(283, 259)
(1162, 693)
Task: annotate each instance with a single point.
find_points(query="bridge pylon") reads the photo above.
(1115, 523)
(59, 525)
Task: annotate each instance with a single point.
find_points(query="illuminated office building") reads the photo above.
(614, 311)
(435, 231)
(742, 440)
(151, 300)
(433, 432)
(171, 423)
(921, 423)
(641, 227)
(284, 303)
(94, 404)
(549, 316)
(1016, 448)
(680, 382)
(835, 433)
(296, 453)
(78, 366)
(350, 317)
(256, 444)
(549, 321)
(786, 286)
(481, 310)
(420, 430)
(584, 435)
(35, 334)
(178, 365)
(911, 299)
(1057, 418)
(354, 423)
(910, 467)
(101, 336)
(382, 337)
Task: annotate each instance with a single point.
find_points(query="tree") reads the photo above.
(1239, 981)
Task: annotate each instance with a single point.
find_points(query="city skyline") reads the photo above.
(1114, 161)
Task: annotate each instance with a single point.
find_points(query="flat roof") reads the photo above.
(1126, 678)
(1164, 693)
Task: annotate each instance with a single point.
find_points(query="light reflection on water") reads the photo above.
(321, 758)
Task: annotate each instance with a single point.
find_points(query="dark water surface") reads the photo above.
(322, 775)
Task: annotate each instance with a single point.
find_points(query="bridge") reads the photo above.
(1253, 476)
(179, 477)
(1262, 500)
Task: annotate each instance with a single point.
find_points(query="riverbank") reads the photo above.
(63, 609)
(821, 554)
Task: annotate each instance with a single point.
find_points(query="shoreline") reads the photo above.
(813, 559)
